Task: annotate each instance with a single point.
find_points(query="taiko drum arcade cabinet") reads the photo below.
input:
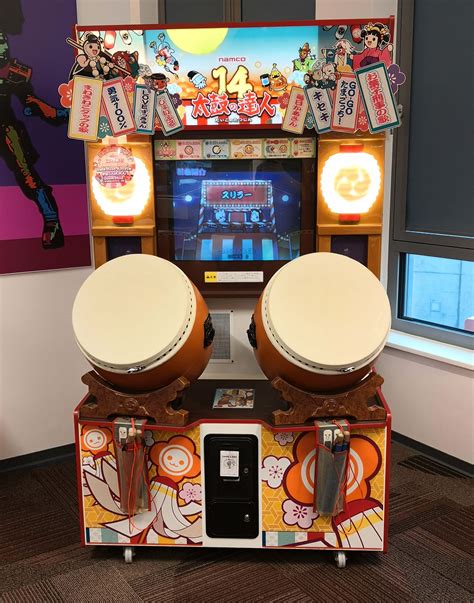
(234, 161)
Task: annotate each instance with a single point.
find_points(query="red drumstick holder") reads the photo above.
(132, 470)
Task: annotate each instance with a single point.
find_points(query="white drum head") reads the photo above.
(326, 312)
(136, 310)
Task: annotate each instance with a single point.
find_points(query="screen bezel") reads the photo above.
(195, 269)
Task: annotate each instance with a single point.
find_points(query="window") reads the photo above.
(438, 291)
(431, 267)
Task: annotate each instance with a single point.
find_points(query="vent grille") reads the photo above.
(222, 348)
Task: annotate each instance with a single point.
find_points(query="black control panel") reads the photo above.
(231, 482)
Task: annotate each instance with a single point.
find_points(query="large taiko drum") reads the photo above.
(320, 323)
(142, 323)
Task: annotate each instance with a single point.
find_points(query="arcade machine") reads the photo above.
(250, 173)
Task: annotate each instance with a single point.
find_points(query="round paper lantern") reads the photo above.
(350, 180)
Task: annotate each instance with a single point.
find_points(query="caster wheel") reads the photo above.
(128, 554)
(341, 559)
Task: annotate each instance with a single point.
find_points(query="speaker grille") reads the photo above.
(222, 349)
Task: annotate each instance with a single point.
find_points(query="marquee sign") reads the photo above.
(234, 76)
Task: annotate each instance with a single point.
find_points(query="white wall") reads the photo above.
(40, 364)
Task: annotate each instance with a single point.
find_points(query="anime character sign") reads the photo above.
(43, 195)
(16, 147)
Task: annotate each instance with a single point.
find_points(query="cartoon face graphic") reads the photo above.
(329, 71)
(95, 440)
(91, 49)
(176, 459)
(371, 40)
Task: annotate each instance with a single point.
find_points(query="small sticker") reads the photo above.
(246, 149)
(189, 149)
(216, 149)
(303, 147)
(234, 276)
(165, 150)
(234, 398)
(277, 148)
(229, 463)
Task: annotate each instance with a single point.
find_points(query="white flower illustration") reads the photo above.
(284, 437)
(300, 515)
(273, 470)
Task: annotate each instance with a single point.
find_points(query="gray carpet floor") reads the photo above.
(429, 558)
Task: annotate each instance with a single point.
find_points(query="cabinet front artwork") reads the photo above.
(172, 468)
(173, 471)
(289, 466)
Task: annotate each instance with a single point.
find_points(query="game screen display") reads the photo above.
(234, 210)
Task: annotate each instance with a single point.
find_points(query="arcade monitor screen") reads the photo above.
(236, 210)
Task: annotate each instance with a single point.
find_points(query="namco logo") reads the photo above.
(232, 59)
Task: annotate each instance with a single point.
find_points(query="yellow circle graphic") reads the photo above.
(198, 41)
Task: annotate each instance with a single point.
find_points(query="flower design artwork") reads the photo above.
(300, 515)
(104, 127)
(273, 470)
(65, 94)
(166, 517)
(190, 492)
(284, 437)
(396, 77)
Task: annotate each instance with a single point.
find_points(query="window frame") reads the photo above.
(403, 241)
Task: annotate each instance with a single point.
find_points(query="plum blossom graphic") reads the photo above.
(176, 100)
(284, 437)
(129, 83)
(300, 515)
(190, 492)
(309, 120)
(396, 77)
(104, 127)
(273, 470)
(65, 92)
(284, 99)
(362, 121)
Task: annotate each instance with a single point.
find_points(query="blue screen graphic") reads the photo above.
(234, 210)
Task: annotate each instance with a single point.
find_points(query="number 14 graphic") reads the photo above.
(238, 84)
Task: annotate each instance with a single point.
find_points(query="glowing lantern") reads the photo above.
(121, 184)
(350, 180)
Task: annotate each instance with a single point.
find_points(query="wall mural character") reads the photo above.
(16, 147)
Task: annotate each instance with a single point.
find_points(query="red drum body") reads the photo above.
(141, 323)
(320, 323)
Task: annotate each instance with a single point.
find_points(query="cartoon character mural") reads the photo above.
(92, 61)
(305, 60)
(16, 147)
(164, 54)
(377, 47)
(288, 476)
(174, 467)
